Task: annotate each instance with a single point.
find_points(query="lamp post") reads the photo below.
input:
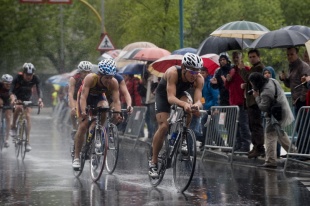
(181, 22)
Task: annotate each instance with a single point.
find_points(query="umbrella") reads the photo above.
(217, 45)
(130, 54)
(240, 29)
(159, 67)
(120, 61)
(151, 54)
(280, 39)
(302, 29)
(184, 51)
(308, 46)
(59, 79)
(134, 68)
(211, 62)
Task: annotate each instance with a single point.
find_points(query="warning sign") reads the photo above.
(105, 44)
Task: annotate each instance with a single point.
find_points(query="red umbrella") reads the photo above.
(211, 62)
(151, 54)
(160, 66)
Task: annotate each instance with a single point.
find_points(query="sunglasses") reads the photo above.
(192, 72)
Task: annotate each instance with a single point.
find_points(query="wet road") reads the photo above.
(45, 178)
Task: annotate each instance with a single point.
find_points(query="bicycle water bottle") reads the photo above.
(173, 138)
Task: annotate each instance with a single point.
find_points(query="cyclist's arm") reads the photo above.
(11, 91)
(115, 95)
(85, 91)
(72, 83)
(172, 78)
(198, 91)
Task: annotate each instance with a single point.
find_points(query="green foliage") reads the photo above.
(33, 32)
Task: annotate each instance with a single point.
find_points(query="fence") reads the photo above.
(300, 139)
(221, 130)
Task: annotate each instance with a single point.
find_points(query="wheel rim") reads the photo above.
(113, 150)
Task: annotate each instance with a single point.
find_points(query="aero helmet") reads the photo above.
(192, 61)
(107, 67)
(7, 78)
(85, 66)
(28, 68)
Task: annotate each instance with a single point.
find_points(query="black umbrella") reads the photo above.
(217, 45)
(134, 68)
(302, 29)
(280, 39)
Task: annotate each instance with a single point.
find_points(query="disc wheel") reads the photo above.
(113, 148)
(162, 163)
(98, 153)
(185, 161)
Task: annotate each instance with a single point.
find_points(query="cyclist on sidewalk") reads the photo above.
(75, 82)
(5, 85)
(172, 90)
(92, 93)
(21, 90)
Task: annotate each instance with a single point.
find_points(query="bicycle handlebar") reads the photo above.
(29, 104)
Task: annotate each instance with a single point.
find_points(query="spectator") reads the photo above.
(236, 97)
(266, 91)
(132, 83)
(254, 113)
(297, 69)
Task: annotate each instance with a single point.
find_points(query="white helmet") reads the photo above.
(85, 66)
(191, 60)
(28, 68)
(7, 78)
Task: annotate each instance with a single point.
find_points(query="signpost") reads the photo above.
(105, 43)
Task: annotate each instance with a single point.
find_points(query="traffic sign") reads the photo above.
(105, 43)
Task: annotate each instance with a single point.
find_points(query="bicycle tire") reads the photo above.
(17, 138)
(98, 154)
(2, 132)
(162, 163)
(184, 164)
(113, 148)
(23, 140)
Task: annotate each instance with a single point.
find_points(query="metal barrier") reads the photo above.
(221, 130)
(289, 129)
(136, 122)
(300, 139)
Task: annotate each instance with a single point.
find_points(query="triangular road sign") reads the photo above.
(105, 44)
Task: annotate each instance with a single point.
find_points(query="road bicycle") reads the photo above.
(179, 154)
(3, 125)
(101, 146)
(21, 134)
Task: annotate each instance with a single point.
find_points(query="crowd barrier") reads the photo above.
(135, 122)
(300, 139)
(221, 128)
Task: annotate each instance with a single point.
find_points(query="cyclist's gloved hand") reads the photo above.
(187, 107)
(40, 102)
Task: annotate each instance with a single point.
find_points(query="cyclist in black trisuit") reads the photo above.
(5, 85)
(21, 90)
(172, 90)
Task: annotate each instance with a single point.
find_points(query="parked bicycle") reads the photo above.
(101, 146)
(21, 134)
(3, 127)
(179, 153)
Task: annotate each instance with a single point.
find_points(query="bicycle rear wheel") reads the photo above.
(162, 163)
(18, 137)
(98, 153)
(185, 161)
(113, 148)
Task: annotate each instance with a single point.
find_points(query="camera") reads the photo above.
(250, 92)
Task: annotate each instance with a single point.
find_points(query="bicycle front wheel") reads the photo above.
(185, 161)
(113, 148)
(98, 153)
(23, 140)
(18, 137)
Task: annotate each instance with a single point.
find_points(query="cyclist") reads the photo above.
(21, 90)
(172, 90)
(92, 93)
(75, 82)
(5, 85)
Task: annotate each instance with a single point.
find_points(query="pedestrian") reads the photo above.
(266, 92)
(254, 113)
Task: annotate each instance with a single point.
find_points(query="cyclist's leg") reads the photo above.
(18, 110)
(160, 134)
(103, 103)
(28, 112)
(73, 115)
(186, 97)
(8, 114)
(79, 137)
